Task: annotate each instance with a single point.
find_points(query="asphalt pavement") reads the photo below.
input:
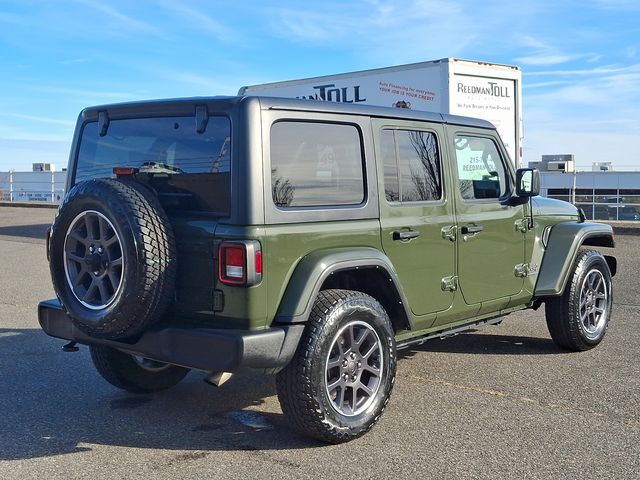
(501, 402)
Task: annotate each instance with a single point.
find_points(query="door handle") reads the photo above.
(406, 235)
(469, 230)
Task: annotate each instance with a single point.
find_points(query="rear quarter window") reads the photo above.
(316, 164)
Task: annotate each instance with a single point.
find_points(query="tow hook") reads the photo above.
(70, 347)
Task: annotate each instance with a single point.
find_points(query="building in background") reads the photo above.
(555, 163)
(43, 167)
(602, 167)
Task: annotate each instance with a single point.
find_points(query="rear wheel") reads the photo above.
(578, 320)
(340, 379)
(135, 374)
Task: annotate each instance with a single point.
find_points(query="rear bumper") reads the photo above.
(214, 350)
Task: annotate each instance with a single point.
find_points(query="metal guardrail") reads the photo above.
(32, 187)
(600, 201)
(615, 205)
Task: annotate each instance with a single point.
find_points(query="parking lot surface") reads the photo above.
(501, 402)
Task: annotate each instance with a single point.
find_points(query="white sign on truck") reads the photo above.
(460, 87)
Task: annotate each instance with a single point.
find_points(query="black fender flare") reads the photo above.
(312, 271)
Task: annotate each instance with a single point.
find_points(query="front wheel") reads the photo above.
(578, 320)
(340, 379)
(135, 374)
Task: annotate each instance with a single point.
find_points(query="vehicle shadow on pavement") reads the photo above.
(475, 343)
(55, 403)
(27, 231)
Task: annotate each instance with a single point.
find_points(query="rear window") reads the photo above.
(190, 170)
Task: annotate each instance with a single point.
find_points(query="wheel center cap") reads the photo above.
(352, 367)
(94, 262)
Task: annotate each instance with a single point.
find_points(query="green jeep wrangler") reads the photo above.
(307, 239)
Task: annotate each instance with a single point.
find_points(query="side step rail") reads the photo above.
(448, 333)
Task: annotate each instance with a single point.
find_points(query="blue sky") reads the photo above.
(580, 60)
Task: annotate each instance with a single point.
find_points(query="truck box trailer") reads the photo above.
(461, 87)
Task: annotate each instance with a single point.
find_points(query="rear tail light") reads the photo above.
(124, 171)
(240, 262)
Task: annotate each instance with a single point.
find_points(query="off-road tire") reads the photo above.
(128, 373)
(302, 385)
(147, 253)
(568, 317)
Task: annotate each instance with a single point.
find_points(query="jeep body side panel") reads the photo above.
(287, 246)
(487, 256)
(315, 269)
(247, 184)
(564, 241)
(411, 160)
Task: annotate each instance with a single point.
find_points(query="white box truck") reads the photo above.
(484, 90)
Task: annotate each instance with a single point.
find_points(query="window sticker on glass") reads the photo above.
(481, 173)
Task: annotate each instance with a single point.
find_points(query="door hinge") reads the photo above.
(449, 283)
(521, 270)
(449, 232)
(522, 225)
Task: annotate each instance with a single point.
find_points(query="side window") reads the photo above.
(316, 164)
(412, 171)
(481, 171)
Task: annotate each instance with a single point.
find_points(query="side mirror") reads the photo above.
(527, 182)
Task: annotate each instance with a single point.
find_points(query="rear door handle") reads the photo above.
(406, 235)
(468, 229)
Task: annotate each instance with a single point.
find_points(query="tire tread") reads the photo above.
(295, 390)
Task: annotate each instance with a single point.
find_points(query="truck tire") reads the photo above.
(135, 374)
(578, 319)
(341, 376)
(112, 258)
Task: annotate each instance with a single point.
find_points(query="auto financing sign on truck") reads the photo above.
(459, 87)
(491, 99)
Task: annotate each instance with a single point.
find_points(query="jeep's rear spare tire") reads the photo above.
(112, 257)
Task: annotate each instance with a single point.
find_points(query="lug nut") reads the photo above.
(100, 250)
(345, 363)
(345, 377)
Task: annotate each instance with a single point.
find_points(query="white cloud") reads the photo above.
(587, 72)
(200, 20)
(384, 31)
(196, 83)
(39, 119)
(124, 21)
(73, 61)
(544, 59)
(545, 54)
(618, 5)
(87, 96)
